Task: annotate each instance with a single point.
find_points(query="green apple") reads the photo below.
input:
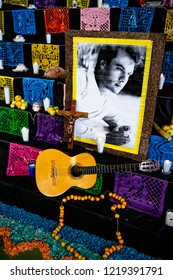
(25, 103)
(56, 108)
(170, 131)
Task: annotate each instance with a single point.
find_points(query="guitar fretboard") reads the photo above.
(109, 168)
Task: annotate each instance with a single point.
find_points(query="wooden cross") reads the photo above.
(71, 116)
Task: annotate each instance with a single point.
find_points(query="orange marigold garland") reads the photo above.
(107, 251)
(13, 250)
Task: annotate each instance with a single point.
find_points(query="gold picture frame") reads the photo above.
(80, 48)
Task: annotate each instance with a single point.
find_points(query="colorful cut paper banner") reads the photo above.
(11, 53)
(160, 149)
(134, 19)
(50, 129)
(169, 26)
(6, 81)
(45, 55)
(116, 3)
(167, 68)
(80, 3)
(97, 19)
(23, 3)
(20, 156)
(35, 90)
(44, 3)
(56, 20)
(2, 22)
(24, 22)
(142, 193)
(12, 120)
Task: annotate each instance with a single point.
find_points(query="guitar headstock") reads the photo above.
(149, 165)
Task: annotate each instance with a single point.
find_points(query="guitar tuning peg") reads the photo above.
(100, 143)
(167, 167)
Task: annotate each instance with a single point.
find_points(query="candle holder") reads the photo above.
(167, 167)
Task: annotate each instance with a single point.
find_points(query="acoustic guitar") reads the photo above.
(56, 172)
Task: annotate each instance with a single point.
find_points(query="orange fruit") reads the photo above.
(18, 104)
(18, 98)
(165, 127)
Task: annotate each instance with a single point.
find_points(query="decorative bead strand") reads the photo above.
(107, 251)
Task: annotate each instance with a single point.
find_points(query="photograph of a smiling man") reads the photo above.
(102, 77)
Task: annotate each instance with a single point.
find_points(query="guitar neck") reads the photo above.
(100, 169)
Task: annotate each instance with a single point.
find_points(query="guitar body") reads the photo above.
(54, 174)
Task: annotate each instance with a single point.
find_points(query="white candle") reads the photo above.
(46, 103)
(25, 134)
(99, 3)
(1, 64)
(169, 218)
(1, 36)
(48, 38)
(7, 94)
(100, 144)
(162, 80)
(74, 4)
(35, 68)
(167, 167)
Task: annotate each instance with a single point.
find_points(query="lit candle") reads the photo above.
(7, 95)
(167, 167)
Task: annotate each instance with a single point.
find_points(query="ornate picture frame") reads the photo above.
(119, 95)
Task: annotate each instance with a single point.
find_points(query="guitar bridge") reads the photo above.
(53, 172)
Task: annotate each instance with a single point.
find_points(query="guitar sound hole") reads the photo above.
(76, 171)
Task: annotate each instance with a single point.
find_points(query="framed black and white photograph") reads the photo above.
(112, 78)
